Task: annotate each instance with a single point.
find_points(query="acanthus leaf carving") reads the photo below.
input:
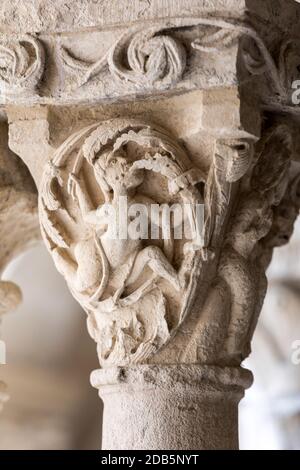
(220, 39)
(232, 159)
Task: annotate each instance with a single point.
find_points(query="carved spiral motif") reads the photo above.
(153, 59)
(21, 65)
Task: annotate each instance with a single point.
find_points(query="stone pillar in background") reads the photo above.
(19, 226)
(276, 357)
(191, 110)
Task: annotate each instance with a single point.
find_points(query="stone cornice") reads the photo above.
(149, 59)
(61, 16)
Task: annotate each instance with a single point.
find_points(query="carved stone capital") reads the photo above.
(167, 300)
(184, 107)
(135, 289)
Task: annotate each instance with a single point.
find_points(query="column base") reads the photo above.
(180, 407)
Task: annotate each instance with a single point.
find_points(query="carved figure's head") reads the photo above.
(117, 171)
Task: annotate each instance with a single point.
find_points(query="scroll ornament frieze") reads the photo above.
(153, 58)
(22, 60)
(147, 59)
(157, 57)
(282, 68)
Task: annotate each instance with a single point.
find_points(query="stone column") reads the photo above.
(186, 406)
(19, 226)
(276, 343)
(160, 106)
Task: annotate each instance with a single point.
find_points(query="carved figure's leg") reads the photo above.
(153, 257)
(86, 273)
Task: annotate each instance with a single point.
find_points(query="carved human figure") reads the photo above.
(100, 255)
(134, 288)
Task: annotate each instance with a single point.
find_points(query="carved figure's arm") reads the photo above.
(77, 189)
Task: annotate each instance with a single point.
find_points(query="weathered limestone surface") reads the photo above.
(160, 103)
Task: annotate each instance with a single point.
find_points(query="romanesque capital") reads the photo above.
(138, 113)
(213, 130)
(149, 294)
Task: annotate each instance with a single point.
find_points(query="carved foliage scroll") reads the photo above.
(157, 57)
(147, 59)
(180, 54)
